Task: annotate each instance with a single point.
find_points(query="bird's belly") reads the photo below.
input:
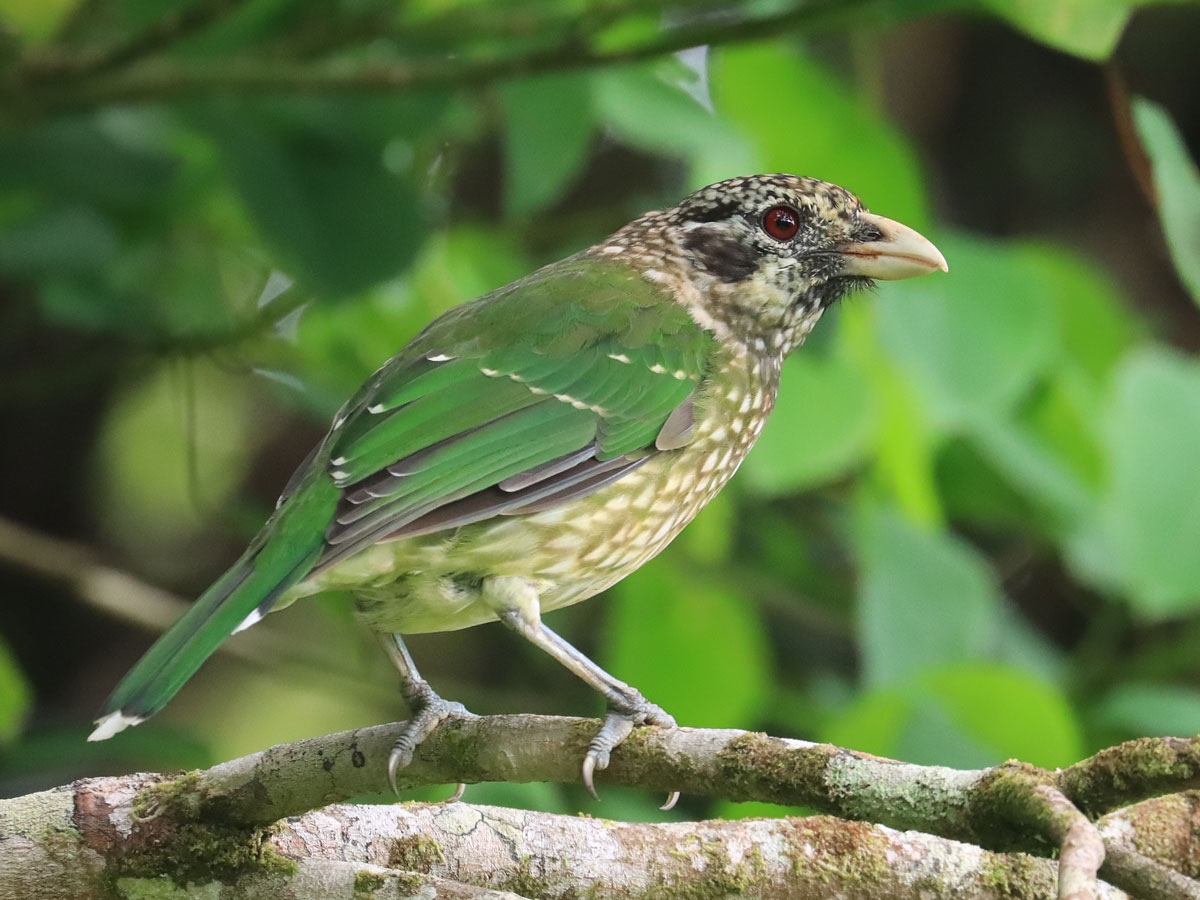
(571, 552)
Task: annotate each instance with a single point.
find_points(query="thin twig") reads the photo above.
(157, 81)
(159, 36)
(1127, 138)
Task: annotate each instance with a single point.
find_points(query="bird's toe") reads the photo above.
(431, 713)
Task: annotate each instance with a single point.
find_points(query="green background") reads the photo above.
(970, 532)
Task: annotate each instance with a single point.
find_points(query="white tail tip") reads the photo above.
(113, 723)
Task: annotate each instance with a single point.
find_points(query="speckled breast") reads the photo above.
(601, 539)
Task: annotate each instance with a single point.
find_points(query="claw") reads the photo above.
(672, 799)
(457, 795)
(393, 765)
(589, 769)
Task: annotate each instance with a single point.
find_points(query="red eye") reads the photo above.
(781, 222)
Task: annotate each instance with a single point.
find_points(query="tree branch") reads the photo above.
(161, 80)
(71, 843)
(217, 823)
(1013, 806)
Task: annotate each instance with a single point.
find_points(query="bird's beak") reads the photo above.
(899, 253)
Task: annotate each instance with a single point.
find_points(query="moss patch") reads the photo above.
(367, 883)
(757, 767)
(1017, 876)
(199, 854)
(1131, 771)
(178, 798)
(163, 888)
(460, 750)
(840, 852)
(525, 883)
(416, 854)
(1005, 811)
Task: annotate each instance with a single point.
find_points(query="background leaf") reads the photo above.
(1150, 522)
(548, 126)
(1178, 184)
(925, 600)
(713, 665)
(15, 696)
(822, 426)
(337, 218)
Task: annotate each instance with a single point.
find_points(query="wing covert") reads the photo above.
(536, 394)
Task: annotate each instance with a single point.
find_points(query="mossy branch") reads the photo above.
(1012, 807)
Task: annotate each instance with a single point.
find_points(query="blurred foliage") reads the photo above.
(970, 531)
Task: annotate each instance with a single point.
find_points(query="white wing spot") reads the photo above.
(253, 619)
(619, 357)
(376, 408)
(439, 357)
(112, 724)
(578, 404)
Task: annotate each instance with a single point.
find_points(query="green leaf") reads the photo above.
(145, 448)
(547, 130)
(1033, 469)
(822, 427)
(58, 241)
(1095, 326)
(15, 696)
(974, 339)
(966, 716)
(1087, 28)
(35, 20)
(925, 599)
(1011, 714)
(337, 218)
(647, 112)
(691, 644)
(806, 121)
(873, 723)
(1137, 710)
(1178, 185)
(125, 168)
(1150, 512)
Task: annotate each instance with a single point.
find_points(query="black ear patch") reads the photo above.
(721, 254)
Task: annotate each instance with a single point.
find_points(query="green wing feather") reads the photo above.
(543, 390)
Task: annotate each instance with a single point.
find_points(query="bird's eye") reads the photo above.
(781, 222)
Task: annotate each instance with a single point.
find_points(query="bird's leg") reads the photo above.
(428, 709)
(516, 604)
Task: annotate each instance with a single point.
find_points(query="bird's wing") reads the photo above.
(532, 396)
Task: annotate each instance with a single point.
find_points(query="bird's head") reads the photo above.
(761, 257)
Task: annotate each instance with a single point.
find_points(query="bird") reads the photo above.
(530, 448)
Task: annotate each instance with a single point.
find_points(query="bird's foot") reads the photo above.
(618, 724)
(428, 712)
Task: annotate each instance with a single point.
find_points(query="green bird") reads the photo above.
(531, 448)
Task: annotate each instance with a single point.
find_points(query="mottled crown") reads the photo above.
(725, 198)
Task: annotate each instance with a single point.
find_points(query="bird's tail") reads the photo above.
(283, 555)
